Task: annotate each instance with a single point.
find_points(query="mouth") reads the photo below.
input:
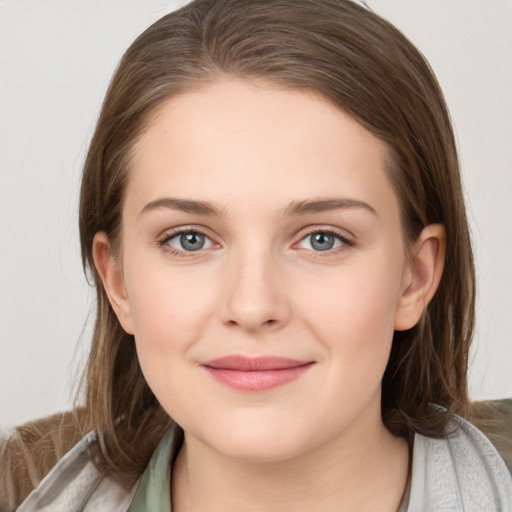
(255, 373)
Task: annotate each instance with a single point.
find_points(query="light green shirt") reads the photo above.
(154, 492)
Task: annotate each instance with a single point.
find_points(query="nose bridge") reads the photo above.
(255, 297)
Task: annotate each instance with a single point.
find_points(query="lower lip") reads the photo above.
(259, 380)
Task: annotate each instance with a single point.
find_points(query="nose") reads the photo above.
(255, 294)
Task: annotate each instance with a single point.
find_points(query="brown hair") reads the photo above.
(366, 67)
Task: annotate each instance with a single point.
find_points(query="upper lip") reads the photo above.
(254, 364)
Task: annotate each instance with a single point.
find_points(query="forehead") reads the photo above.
(254, 142)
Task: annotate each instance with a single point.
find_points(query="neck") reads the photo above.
(358, 470)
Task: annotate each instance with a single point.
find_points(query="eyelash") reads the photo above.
(346, 242)
(164, 241)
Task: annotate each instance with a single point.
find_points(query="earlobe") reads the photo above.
(422, 276)
(113, 280)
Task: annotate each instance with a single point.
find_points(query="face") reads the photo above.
(262, 268)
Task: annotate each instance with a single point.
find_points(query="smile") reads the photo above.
(255, 374)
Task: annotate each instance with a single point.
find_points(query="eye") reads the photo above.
(320, 241)
(188, 241)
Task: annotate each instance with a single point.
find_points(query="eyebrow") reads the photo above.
(184, 205)
(294, 208)
(325, 205)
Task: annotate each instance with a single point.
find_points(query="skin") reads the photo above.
(258, 287)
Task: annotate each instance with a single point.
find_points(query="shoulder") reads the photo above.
(47, 464)
(494, 419)
(30, 451)
(460, 471)
(75, 485)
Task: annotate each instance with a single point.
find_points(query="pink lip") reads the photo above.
(255, 373)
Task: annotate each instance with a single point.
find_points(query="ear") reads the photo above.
(112, 277)
(421, 276)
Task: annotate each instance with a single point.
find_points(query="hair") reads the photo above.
(368, 69)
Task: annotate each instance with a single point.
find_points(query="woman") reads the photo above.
(272, 214)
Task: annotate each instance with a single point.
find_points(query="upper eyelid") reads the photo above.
(172, 232)
(339, 232)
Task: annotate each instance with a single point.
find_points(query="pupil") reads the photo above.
(322, 241)
(192, 241)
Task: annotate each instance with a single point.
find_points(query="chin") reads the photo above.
(260, 450)
(254, 441)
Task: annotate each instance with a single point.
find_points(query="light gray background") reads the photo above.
(56, 58)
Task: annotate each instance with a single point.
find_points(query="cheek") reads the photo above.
(353, 313)
(170, 313)
(170, 310)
